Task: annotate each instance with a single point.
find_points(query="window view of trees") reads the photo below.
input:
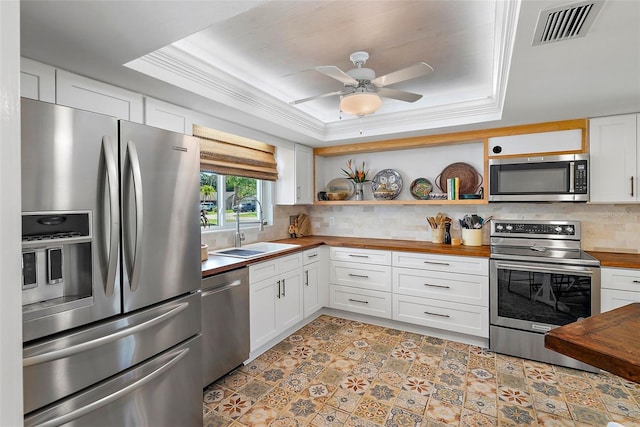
(216, 207)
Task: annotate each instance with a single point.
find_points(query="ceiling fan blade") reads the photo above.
(336, 73)
(311, 98)
(398, 94)
(415, 70)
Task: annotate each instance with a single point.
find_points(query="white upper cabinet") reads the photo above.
(614, 159)
(167, 116)
(534, 143)
(295, 175)
(86, 94)
(37, 80)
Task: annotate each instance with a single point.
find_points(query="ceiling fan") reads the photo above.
(362, 89)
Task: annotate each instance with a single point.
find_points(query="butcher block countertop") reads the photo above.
(609, 341)
(219, 264)
(617, 259)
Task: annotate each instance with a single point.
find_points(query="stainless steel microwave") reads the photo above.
(562, 178)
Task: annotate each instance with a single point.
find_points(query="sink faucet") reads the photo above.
(239, 237)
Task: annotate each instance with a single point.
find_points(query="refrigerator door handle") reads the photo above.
(134, 264)
(88, 345)
(176, 357)
(112, 177)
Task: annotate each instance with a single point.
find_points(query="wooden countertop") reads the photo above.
(219, 264)
(617, 259)
(608, 341)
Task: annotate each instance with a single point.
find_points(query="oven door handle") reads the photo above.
(544, 269)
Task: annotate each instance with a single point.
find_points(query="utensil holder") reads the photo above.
(437, 235)
(472, 236)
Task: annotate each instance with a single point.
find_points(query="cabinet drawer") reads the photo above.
(621, 279)
(463, 318)
(363, 301)
(310, 255)
(613, 298)
(463, 288)
(273, 267)
(453, 264)
(364, 256)
(375, 277)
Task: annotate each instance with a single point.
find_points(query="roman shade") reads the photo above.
(228, 154)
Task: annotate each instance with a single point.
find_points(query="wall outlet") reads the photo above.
(332, 221)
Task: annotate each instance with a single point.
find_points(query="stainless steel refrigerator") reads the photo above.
(111, 271)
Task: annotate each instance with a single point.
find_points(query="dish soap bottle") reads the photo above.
(447, 233)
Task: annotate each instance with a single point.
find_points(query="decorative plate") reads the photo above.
(340, 188)
(420, 188)
(387, 184)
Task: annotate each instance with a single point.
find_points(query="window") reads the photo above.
(217, 209)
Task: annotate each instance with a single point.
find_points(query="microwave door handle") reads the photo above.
(134, 276)
(97, 404)
(572, 177)
(112, 178)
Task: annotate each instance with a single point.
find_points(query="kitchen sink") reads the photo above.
(255, 250)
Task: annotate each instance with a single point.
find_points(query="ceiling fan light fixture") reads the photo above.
(360, 103)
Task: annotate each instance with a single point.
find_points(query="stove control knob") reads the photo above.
(568, 230)
(557, 229)
(509, 227)
(499, 227)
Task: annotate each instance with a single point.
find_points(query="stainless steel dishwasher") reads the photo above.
(225, 323)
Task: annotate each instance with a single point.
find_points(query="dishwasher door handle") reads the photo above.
(221, 288)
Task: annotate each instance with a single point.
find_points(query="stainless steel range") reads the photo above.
(539, 279)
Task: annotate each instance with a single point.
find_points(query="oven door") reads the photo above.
(537, 297)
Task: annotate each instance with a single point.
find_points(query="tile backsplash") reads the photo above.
(611, 228)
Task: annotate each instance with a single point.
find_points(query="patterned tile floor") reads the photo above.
(337, 372)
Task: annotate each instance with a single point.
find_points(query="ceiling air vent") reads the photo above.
(565, 22)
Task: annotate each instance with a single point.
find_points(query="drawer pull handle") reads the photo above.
(358, 275)
(436, 263)
(436, 314)
(312, 256)
(357, 300)
(636, 281)
(359, 256)
(438, 286)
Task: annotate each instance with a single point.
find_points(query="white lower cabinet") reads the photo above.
(619, 287)
(276, 300)
(450, 316)
(441, 291)
(315, 283)
(363, 301)
(360, 281)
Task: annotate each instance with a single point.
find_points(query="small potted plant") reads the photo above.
(358, 176)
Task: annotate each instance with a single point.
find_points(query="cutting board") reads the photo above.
(304, 226)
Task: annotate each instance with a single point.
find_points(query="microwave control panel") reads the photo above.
(580, 177)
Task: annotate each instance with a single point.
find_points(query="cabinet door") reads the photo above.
(295, 175)
(290, 301)
(37, 81)
(311, 289)
(167, 116)
(613, 158)
(304, 175)
(262, 312)
(613, 298)
(91, 95)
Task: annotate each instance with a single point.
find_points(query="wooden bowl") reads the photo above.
(337, 195)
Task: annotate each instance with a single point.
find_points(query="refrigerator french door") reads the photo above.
(111, 264)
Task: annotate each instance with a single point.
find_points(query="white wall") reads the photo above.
(10, 293)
